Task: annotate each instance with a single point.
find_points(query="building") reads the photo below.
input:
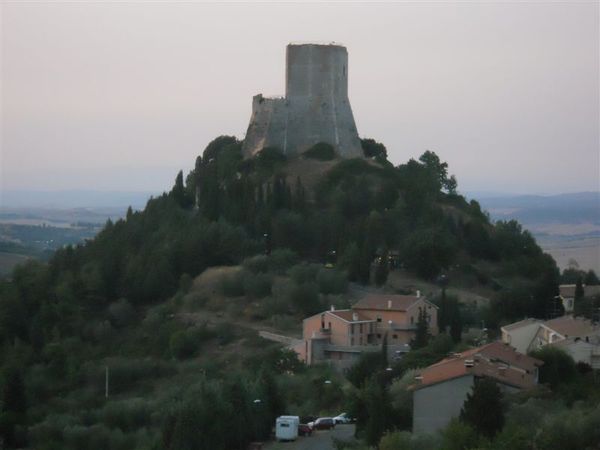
(441, 389)
(576, 335)
(567, 295)
(315, 107)
(340, 336)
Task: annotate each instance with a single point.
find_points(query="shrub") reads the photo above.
(303, 273)
(185, 343)
(320, 151)
(194, 301)
(258, 285)
(233, 285)
(128, 415)
(257, 264)
(121, 313)
(281, 260)
(331, 281)
(305, 298)
(182, 345)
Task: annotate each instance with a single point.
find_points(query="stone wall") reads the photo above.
(315, 109)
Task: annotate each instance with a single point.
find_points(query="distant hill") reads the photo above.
(580, 207)
(74, 198)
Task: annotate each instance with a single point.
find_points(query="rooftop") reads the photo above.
(568, 290)
(392, 302)
(572, 326)
(350, 316)
(520, 323)
(495, 360)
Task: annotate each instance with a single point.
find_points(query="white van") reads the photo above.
(286, 428)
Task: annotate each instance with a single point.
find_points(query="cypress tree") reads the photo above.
(483, 408)
(422, 332)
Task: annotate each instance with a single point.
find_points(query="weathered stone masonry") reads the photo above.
(315, 107)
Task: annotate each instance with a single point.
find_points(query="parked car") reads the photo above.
(304, 429)
(307, 419)
(322, 423)
(343, 418)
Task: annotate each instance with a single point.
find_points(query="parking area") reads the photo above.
(320, 440)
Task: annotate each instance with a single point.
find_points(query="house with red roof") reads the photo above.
(340, 336)
(441, 389)
(578, 336)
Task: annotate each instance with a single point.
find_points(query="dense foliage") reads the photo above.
(101, 303)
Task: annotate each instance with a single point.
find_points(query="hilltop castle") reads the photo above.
(315, 107)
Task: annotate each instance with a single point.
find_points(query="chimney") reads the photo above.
(354, 316)
(332, 307)
(418, 293)
(389, 304)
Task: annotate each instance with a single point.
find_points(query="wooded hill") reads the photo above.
(347, 213)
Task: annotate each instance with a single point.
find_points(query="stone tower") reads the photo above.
(315, 107)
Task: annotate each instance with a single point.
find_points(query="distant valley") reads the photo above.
(33, 224)
(566, 225)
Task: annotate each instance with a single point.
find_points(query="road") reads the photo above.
(320, 440)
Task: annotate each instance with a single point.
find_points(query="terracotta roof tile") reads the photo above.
(393, 302)
(572, 326)
(347, 314)
(495, 360)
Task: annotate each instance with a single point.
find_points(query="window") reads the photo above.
(351, 341)
(378, 336)
(352, 328)
(378, 318)
(395, 336)
(344, 70)
(412, 320)
(360, 328)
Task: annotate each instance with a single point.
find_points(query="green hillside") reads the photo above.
(179, 337)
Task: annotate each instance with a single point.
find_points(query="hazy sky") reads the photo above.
(119, 96)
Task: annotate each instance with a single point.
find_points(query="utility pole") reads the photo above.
(106, 384)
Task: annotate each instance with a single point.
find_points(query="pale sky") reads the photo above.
(121, 95)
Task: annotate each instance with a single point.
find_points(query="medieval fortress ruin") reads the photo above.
(315, 107)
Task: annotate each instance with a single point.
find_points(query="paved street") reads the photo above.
(320, 440)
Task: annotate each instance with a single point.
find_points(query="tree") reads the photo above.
(459, 436)
(373, 149)
(13, 407)
(579, 291)
(559, 366)
(382, 270)
(456, 322)
(178, 192)
(378, 409)
(422, 333)
(483, 408)
(591, 279)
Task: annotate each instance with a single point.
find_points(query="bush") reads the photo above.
(127, 415)
(233, 285)
(121, 313)
(182, 345)
(305, 298)
(558, 368)
(331, 281)
(304, 273)
(258, 285)
(194, 301)
(185, 343)
(281, 260)
(320, 151)
(257, 264)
